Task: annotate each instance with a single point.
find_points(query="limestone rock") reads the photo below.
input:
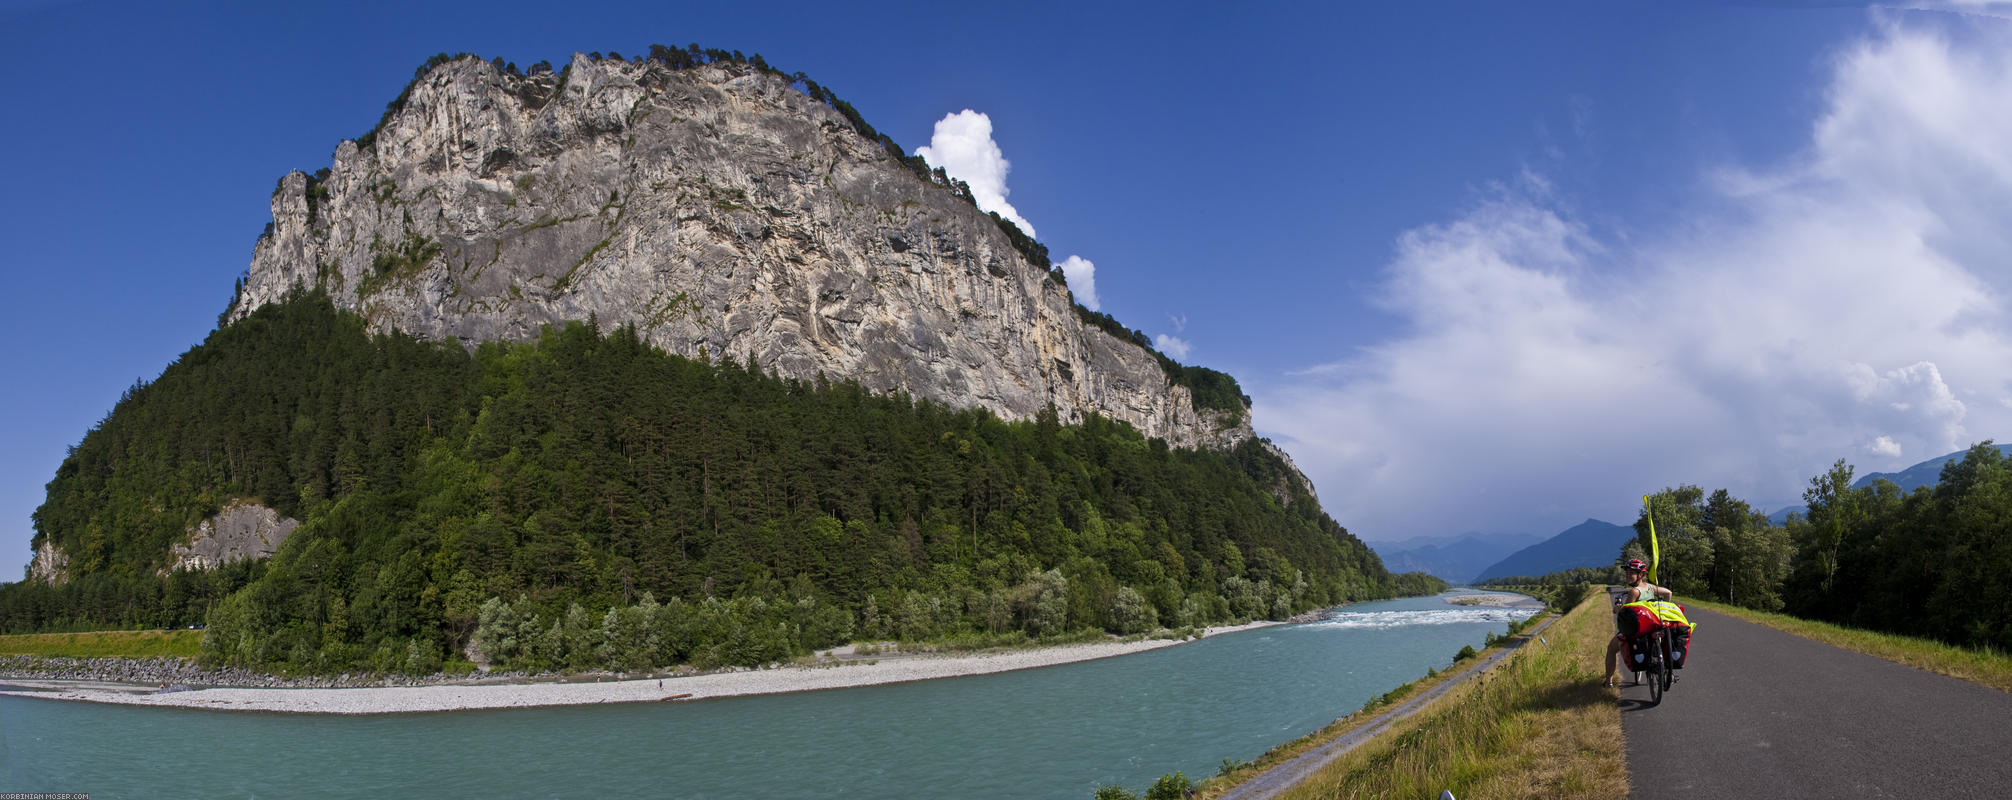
(720, 211)
(50, 566)
(241, 530)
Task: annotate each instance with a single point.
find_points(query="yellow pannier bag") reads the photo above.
(1670, 613)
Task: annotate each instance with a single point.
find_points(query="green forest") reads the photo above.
(1930, 563)
(585, 500)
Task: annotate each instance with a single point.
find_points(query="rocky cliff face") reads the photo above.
(720, 211)
(50, 566)
(238, 531)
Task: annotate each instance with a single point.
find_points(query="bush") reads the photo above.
(1466, 652)
(1132, 613)
(1170, 787)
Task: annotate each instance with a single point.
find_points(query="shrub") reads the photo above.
(1170, 787)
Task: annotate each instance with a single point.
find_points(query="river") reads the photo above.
(1052, 732)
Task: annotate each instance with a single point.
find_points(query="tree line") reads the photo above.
(1928, 563)
(531, 498)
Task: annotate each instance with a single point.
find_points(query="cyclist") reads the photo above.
(1639, 589)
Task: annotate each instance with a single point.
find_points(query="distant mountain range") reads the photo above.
(1455, 559)
(1588, 544)
(1472, 557)
(1926, 473)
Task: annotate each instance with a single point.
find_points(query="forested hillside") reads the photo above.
(582, 485)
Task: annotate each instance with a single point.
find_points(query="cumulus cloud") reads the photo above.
(1082, 278)
(1854, 293)
(962, 145)
(1174, 345)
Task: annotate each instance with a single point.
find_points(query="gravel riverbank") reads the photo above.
(139, 681)
(1496, 600)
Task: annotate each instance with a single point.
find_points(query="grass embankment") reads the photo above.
(104, 644)
(1987, 667)
(1538, 725)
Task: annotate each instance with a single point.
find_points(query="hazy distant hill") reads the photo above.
(1455, 559)
(1588, 544)
(1926, 473)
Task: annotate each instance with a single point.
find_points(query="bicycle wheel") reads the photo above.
(1669, 672)
(1654, 667)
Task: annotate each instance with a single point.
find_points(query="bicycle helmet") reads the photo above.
(1636, 565)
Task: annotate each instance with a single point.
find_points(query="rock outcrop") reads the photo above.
(50, 566)
(240, 530)
(720, 211)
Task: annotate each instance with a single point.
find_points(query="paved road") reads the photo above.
(1760, 713)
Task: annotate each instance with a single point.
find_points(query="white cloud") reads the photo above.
(1172, 346)
(962, 145)
(1082, 278)
(1544, 375)
(1988, 8)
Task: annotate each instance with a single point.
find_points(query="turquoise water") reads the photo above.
(1051, 732)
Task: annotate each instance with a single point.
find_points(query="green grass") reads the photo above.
(104, 644)
(1986, 667)
(1538, 725)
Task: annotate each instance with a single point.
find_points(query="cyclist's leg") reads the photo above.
(1617, 645)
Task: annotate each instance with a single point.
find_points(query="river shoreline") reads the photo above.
(831, 672)
(1495, 600)
(157, 682)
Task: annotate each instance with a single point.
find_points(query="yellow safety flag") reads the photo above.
(1655, 551)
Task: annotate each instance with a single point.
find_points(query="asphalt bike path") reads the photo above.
(1764, 714)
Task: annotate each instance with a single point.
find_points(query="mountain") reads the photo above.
(1926, 473)
(1455, 559)
(661, 361)
(724, 210)
(1588, 544)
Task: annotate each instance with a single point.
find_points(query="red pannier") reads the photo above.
(1637, 620)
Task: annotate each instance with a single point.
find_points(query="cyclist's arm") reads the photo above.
(1663, 594)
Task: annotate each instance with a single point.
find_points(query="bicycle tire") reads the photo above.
(1669, 672)
(1654, 668)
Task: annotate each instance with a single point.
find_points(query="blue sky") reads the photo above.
(1483, 266)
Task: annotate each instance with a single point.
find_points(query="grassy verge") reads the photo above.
(104, 644)
(1987, 667)
(1538, 726)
